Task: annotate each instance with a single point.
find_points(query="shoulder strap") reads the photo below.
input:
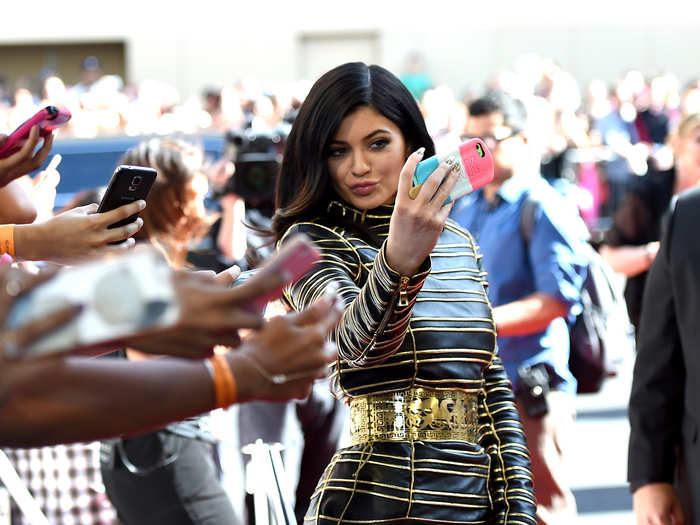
(527, 218)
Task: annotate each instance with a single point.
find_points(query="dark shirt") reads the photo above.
(638, 221)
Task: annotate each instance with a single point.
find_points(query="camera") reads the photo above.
(257, 156)
(533, 387)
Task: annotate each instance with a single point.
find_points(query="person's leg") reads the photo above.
(323, 421)
(548, 439)
(184, 491)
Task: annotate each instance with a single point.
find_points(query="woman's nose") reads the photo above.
(360, 165)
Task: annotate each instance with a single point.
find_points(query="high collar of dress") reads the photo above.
(379, 216)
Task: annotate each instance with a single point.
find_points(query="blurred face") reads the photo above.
(687, 152)
(499, 138)
(365, 159)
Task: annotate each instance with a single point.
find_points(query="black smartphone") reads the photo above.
(128, 184)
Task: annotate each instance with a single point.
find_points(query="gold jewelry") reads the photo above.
(416, 414)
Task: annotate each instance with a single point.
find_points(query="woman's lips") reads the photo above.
(363, 188)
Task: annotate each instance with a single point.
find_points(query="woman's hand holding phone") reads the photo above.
(416, 223)
(77, 234)
(25, 160)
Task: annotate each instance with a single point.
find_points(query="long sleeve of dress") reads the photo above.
(378, 301)
(503, 439)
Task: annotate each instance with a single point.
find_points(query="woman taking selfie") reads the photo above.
(436, 437)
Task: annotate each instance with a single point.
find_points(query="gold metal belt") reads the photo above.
(417, 414)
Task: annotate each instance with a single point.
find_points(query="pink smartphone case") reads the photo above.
(295, 258)
(48, 119)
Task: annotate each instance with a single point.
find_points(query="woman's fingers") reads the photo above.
(406, 177)
(43, 152)
(122, 232)
(433, 184)
(444, 190)
(444, 212)
(258, 285)
(228, 276)
(123, 212)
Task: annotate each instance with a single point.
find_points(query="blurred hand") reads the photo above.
(43, 190)
(211, 313)
(657, 504)
(25, 160)
(77, 234)
(15, 282)
(282, 360)
(220, 172)
(417, 223)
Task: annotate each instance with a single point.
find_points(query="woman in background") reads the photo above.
(170, 476)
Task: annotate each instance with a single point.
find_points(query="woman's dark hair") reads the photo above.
(303, 186)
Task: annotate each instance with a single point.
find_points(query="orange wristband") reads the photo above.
(224, 383)
(7, 239)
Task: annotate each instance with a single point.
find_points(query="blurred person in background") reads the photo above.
(631, 244)
(169, 476)
(534, 286)
(90, 73)
(415, 76)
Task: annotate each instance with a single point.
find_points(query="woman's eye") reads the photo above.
(379, 144)
(335, 152)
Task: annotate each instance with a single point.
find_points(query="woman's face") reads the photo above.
(688, 156)
(365, 159)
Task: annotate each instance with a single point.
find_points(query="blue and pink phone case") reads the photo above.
(472, 159)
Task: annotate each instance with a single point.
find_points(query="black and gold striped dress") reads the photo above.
(436, 437)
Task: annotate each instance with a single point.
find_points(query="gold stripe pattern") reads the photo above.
(434, 417)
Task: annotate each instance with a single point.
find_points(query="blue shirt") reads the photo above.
(550, 263)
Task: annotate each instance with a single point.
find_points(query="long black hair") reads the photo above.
(303, 186)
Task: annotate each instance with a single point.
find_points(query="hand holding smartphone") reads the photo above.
(293, 260)
(48, 119)
(473, 161)
(128, 184)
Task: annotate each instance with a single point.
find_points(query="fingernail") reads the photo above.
(420, 152)
(141, 204)
(139, 222)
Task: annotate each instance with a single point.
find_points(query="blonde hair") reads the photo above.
(686, 126)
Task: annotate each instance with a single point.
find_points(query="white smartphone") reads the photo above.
(122, 296)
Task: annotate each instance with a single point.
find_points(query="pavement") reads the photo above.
(599, 461)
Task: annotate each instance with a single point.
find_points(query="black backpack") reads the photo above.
(602, 335)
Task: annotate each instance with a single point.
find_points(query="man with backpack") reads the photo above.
(535, 287)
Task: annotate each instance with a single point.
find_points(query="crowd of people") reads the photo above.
(442, 327)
